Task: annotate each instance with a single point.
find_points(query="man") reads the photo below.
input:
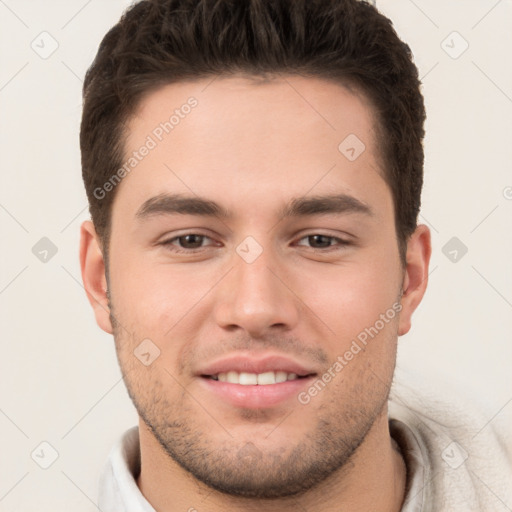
(254, 172)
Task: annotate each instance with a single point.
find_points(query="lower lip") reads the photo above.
(254, 396)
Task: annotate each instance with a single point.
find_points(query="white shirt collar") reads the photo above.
(118, 491)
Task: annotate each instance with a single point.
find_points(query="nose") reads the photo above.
(256, 297)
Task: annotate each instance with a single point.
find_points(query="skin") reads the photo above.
(306, 298)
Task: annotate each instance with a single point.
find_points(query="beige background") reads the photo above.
(60, 382)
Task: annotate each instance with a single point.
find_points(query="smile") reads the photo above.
(255, 379)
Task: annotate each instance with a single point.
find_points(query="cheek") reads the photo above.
(350, 299)
(155, 296)
(166, 305)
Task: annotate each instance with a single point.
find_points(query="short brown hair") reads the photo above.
(159, 42)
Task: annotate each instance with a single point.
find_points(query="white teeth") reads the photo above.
(281, 377)
(232, 377)
(248, 378)
(266, 378)
(251, 379)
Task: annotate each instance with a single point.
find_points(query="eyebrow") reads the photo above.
(169, 204)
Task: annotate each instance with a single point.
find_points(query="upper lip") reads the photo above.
(251, 364)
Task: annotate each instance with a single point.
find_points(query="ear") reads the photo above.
(415, 282)
(93, 275)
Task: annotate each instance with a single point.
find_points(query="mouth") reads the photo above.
(245, 383)
(256, 379)
(251, 381)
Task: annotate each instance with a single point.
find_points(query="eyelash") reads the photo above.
(169, 243)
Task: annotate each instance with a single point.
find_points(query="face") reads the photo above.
(255, 281)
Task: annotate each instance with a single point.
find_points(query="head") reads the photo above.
(284, 138)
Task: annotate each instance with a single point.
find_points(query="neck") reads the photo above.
(376, 473)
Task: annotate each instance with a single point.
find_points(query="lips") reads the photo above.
(246, 381)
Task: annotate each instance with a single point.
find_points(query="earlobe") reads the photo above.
(93, 275)
(419, 250)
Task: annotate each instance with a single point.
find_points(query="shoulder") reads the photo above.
(460, 445)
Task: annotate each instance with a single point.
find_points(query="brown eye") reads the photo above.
(190, 241)
(319, 241)
(186, 243)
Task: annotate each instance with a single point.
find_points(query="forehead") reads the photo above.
(274, 106)
(237, 138)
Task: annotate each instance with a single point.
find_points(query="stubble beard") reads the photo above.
(240, 468)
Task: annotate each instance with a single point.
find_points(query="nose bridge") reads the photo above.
(254, 297)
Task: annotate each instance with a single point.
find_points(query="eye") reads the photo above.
(186, 243)
(320, 241)
(193, 242)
